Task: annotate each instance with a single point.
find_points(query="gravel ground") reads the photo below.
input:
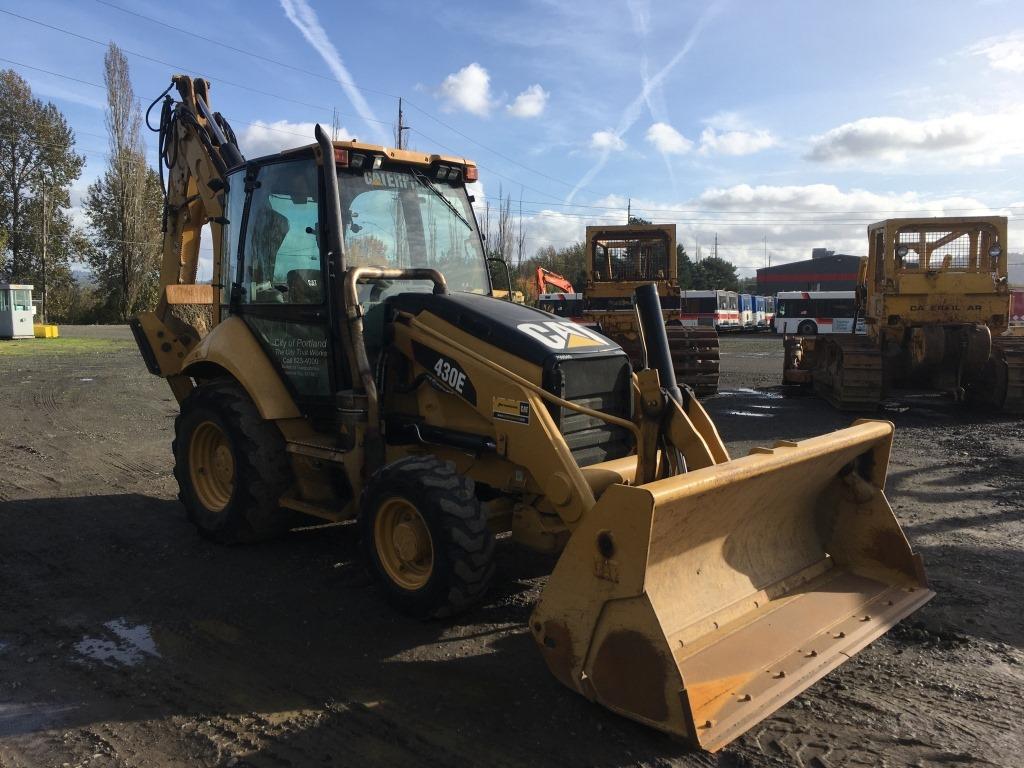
(126, 640)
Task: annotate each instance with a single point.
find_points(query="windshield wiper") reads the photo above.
(429, 185)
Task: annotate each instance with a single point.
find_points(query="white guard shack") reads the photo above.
(16, 311)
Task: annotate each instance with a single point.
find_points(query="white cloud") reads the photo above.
(1005, 52)
(468, 89)
(607, 141)
(668, 140)
(529, 103)
(306, 21)
(962, 139)
(794, 218)
(631, 113)
(263, 138)
(714, 142)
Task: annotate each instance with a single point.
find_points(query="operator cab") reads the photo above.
(399, 210)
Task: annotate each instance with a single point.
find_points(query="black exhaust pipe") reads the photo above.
(652, 330)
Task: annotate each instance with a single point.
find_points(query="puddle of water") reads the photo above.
(750, 413)
(131, 646)
(748, 392)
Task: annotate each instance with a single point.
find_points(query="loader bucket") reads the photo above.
(701, 603)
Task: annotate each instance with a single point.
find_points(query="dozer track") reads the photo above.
(695, 355)
(1009, 350)
(848, 372)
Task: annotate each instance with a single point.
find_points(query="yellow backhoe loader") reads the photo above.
(358, 368)
(935, 302)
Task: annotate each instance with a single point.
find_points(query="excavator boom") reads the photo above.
(546, 277)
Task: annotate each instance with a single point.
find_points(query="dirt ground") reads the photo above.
(126, 640)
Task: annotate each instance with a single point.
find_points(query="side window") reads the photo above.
(879, 248)
(282, 258)
(229, 247)
(3, 299)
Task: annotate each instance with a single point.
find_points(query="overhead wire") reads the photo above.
(426, 113)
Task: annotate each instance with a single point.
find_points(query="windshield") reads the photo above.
(399, 219)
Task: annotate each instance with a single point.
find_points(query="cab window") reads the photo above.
(282, 257)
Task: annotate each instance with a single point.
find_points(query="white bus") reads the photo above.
(717, 309)
(808, 313)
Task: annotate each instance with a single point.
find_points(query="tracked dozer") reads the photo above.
(618, 260)
(358, 368)
(935, 303)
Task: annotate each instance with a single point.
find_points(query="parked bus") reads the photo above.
(769, 312)
(1017, 307)
(807, 313)
(710, 308)
(746, 302)
(760, 316)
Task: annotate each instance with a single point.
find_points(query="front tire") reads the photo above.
(807, 328)
(426, 537)
(231, 466)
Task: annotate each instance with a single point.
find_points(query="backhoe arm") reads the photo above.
(197, 147)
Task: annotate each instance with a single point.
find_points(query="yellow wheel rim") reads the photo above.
(403, 543)
(211, 466)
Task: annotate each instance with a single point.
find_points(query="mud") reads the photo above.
(126, 640)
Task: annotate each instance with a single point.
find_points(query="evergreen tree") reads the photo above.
(125, 205)
(38, 165)
(714, 273)
(685, 268)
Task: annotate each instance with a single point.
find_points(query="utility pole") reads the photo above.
(46, 233)
(335, 124)
(401, 128)
(716, 245)
(765, 257)
(629, 209)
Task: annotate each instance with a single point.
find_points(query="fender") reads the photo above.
(231, 342)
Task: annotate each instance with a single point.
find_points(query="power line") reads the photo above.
(175, 67)
(762, 210)
(329, 78)
(262, 125)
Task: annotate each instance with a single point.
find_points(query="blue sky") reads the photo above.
(792, 122)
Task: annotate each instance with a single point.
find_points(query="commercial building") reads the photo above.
(824, 271)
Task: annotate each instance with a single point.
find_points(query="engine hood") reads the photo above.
(526, 332)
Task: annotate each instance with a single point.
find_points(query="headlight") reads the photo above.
(995, 251)
(902, 250)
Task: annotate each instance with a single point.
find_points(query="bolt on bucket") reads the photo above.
(701, 603)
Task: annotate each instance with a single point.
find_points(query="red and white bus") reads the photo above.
(1017, 307)
(717, 309)
(808, 313)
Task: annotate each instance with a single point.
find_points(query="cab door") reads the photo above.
(279, 279)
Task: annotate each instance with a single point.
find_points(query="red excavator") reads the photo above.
(546, 277)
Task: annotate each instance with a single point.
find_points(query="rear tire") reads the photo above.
(807, 328)
(426, 536)
(231, 466)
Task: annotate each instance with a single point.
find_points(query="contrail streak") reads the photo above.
(305, 20)
(632, 111)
